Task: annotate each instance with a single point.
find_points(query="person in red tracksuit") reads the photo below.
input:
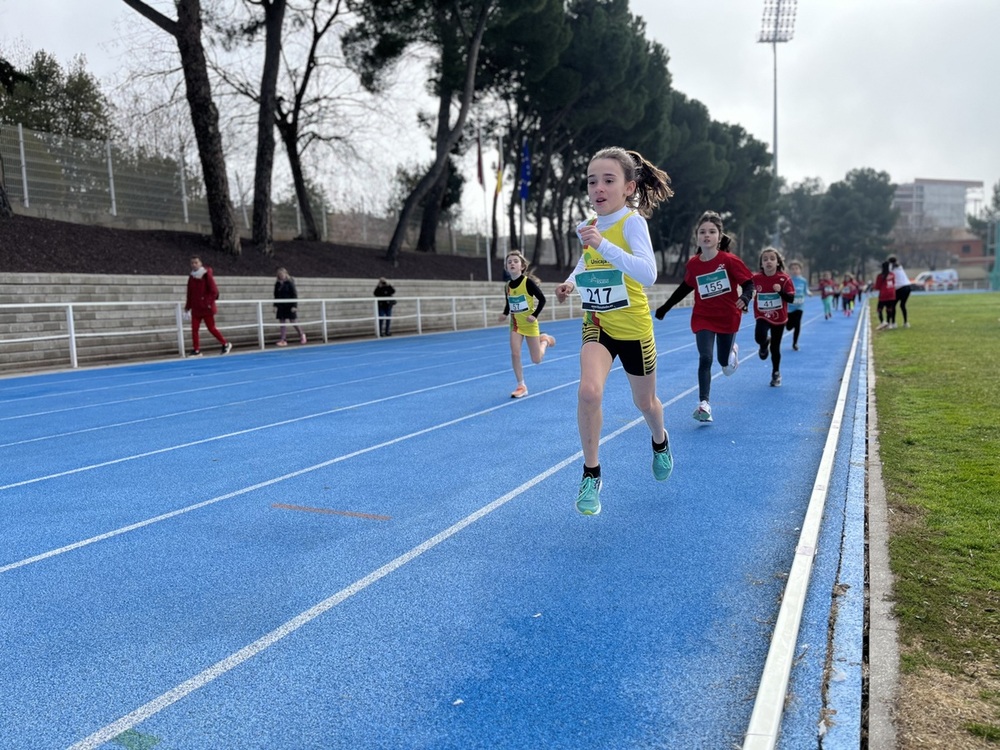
(201, 296)
(774, 290)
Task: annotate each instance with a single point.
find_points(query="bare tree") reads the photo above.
(456, 31)
(274, 16)
(308, 108)
(204, 115)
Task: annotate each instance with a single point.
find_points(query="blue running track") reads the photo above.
(370, 545)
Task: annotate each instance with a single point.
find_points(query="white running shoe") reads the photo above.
(734, 361)
(704, 412)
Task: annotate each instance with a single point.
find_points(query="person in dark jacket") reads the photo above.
(384, 290)
(287, 312)
(200, 303)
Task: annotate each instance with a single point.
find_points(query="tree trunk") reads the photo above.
(443, 148)
(427, 241)
(288, 138)
(512, 228)
(545, 171)
(6, 210)
(204, 116)
(263, 233)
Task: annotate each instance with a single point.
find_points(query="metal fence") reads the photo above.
(98, 178)
(57, 334)
(59, 176)
(54, 335)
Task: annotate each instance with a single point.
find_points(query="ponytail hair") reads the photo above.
(652, 184)
(525, 265)
(726, 243)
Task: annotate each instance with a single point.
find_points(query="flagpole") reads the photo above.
(498, 197)
(486, 210)
(525, 183)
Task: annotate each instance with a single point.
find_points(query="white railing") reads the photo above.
(52, 334)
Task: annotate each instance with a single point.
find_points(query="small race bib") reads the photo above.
(767, 301)
(799, 299)
(601, 291)
(713, 284)
(518, 304)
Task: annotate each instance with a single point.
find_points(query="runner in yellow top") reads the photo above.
(616, 263)
(520, 291)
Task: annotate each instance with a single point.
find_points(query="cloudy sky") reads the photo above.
(904, 86)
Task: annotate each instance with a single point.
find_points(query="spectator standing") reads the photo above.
(202, 294)
(902, 288)
(384, 290)
(287, 312)
(885, 283)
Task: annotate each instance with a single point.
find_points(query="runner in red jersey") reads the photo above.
(723, 287)
(775, 289)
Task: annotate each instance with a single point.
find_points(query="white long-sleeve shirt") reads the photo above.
(640, 264)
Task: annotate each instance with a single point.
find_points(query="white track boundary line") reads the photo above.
(222, 386)
(259, 485)
(258, 428)
(226, 405)
(765, 720)
(136, 717)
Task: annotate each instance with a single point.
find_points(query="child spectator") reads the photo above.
(287, 312)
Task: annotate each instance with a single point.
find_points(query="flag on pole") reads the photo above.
(525, 170)
(479, 159)
(499, 166)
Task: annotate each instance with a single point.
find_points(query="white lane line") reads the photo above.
(228, 404)
(267, 483)
(225, 386)
(249, 430)
(765, 720)
(144, 712)
(125, 371)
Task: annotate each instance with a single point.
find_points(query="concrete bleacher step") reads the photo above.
(32, 308)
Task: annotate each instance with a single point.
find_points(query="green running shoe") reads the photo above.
(588, 502)
(663, 464)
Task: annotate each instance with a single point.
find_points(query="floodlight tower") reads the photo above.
(778, 25)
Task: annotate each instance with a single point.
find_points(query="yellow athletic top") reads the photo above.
(611, 300)
(521, 304)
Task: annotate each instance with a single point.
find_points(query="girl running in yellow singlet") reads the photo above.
(519, 293)
(616, 263)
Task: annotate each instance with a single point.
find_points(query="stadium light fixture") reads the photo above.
(777, 25)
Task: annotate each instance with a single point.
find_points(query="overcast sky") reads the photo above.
(905, 86)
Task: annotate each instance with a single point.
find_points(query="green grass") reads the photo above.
(938, 399)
